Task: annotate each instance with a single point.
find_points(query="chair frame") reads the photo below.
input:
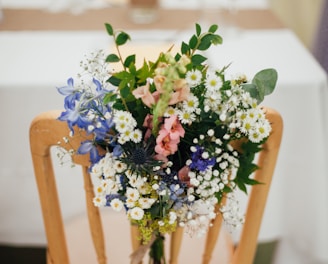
(46, 131)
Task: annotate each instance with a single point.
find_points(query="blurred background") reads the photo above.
(35, 57)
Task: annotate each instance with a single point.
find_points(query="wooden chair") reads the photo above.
(46, 131)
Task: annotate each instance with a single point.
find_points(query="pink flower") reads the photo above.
(165, 145)
(158, 81)
(144, 93)
(181, 93)
(174, 127)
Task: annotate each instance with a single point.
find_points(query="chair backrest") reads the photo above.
(46, 131)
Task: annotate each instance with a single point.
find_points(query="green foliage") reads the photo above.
(112, 58)
(122, 38)
(263, 83)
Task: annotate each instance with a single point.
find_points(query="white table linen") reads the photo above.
(32, 64)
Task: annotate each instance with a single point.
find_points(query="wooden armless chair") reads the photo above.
(46, 131)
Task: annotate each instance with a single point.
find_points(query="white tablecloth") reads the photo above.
(32, 64)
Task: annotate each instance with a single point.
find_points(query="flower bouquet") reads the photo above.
(163, 135)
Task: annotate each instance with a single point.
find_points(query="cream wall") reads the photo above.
(301, 16)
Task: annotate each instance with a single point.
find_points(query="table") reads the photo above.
(33, 63)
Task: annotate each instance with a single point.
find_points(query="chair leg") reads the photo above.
(212, 237)
(135, 241)
(94, 219)
(176, 239)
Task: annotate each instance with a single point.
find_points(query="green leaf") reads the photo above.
(109, 29)
(205, 42)
(124, 90)
(213, 28)
(184, 48)
(114, 80)
(109, 97)
(198, 29)
(143, 73)
(122, 38)
(216, 40)
(266, 81)
(253, 91)
(193, 42)
(198, 59)
(112, 58)
(130, 59)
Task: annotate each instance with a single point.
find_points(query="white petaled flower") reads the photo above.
(254, 136)
(132, 194)
(253, 114)
(91, 128)
(170, 111)
(100, 189)
(187, 117)
(191, 103)
(122, 139)
(119, 166)
(146, 203)
(194, 77)
(136, 213)
(99, 201)
(121, 127)
(246, 126)
(213, 82)
(263, 128)
(116, 204)
(136, 135)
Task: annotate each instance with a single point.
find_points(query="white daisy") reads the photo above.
(132, 194)
(186, 117)
(136, 213)
(193, 78)
(99, 201)
(191, 103)
(136, 135)
(247, 125)
(116, 204)
(254, 136)
(170, 111)
(146, 203)
(213, 82)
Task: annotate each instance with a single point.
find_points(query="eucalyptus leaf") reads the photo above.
(266, 81)
(253, 91)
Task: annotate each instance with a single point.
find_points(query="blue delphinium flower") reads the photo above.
(200, 163)
(89, 146)
(176, 195)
